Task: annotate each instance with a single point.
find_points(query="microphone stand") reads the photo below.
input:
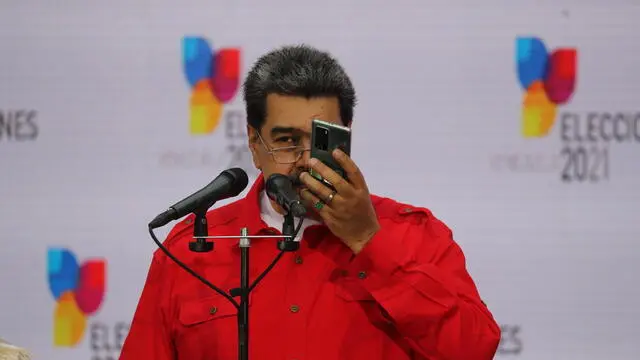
(200, 233)
(243, 311)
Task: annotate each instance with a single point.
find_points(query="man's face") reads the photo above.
(288, 123)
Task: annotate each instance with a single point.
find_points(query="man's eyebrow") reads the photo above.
(282, 130)
(285, 130)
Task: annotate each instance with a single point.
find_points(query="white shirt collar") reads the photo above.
(274, 219)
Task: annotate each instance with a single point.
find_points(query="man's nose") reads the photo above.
(304, 159)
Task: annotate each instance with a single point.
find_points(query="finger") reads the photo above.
(313, 202)
(353, 172)
(316, 187)
(338, 182)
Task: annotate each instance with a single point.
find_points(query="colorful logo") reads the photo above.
(78, 291)
(214, 78)
(549, 80)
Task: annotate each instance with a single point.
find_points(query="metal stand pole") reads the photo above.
(243, 312)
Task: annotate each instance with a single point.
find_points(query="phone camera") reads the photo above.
(322, 138)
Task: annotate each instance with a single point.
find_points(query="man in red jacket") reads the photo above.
(373, 278)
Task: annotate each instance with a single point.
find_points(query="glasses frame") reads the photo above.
(274, 151)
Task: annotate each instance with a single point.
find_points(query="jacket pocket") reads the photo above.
(198, 311)
(351, 290)
(207, 328)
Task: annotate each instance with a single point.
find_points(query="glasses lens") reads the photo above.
(287, 156)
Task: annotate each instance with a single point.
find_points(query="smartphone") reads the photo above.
(326, 137)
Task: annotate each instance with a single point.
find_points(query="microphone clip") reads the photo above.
(200, 232)
(288, 244)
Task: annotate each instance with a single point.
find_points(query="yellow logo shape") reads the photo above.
(69, 321)
(538, 112)
(206, 109)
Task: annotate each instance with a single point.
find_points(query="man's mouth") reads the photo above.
(298, 185)
(295, 180)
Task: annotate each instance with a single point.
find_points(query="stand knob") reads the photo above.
(288, 245)
(200, 246)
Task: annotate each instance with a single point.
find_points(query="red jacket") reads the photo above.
(406, 295)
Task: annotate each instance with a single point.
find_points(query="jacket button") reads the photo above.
(294, 308)
(407, 210)
(298, 259)
(362, 275)
(213, 310)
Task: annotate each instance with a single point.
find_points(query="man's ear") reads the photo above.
(252, 135)
(254, 142)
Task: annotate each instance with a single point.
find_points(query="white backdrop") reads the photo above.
(438, 125)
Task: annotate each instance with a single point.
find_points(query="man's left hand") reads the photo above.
(348, 213)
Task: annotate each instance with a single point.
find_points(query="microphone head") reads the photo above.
(275, 182)
(239, 181)
(280, 189)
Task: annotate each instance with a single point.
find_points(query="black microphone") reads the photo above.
(280, 189)
(228, 184)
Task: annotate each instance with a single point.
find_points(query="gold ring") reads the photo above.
(330, 198)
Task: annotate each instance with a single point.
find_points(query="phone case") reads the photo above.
(338, 137)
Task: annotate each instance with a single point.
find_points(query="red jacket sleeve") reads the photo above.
(148, 336)
(416, 273)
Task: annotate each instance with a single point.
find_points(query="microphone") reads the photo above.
(280, 189)
(228, 184)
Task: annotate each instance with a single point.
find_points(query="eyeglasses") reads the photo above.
(284, 155)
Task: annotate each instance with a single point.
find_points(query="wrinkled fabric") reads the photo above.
(406, 295)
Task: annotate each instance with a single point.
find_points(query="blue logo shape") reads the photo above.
(197, 59)
(532, 60)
